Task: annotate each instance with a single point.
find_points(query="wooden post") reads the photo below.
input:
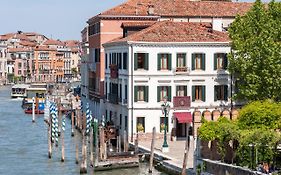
(91, 147)
(152, 150)
(72, 120)
(119, 144)
(33, 109)
(76, 149)
(125, 142)
(186, 150)
(83, 166)
(49, 140)
(137, 144)
(101, 139)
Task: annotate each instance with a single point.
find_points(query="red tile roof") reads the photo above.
(180, 8)
(72, 43)
(138, 24)
(44, 48)
(167, 31)
(27, 43)
(22, 49)
(53, 42)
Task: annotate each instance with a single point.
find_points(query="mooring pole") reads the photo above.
(62, 138)
(119, 144)
(125, 142)
(83, 166)
(72, 121)
(91, 147)
(186, 150)
(137, 144)
(152, 151)
(33, 109)
(49, 140)
(76, 148)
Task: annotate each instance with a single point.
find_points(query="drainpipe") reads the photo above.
(132, 91)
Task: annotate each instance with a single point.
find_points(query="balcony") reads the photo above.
(181, 70)
(113, 98)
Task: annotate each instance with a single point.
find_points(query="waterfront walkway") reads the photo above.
(176, 151)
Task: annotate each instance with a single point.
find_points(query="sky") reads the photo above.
(57, 19)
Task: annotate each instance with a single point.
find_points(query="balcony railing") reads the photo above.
(181, 70)
(113, 98)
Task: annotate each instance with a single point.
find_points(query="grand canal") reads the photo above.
(24, 147)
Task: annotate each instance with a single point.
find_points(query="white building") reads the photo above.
(3, 62)
(184, 61)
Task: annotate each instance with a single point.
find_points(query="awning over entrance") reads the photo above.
(183, 117)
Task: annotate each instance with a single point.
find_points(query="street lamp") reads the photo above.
(165, 110)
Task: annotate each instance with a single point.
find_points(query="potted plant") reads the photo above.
(140, 127)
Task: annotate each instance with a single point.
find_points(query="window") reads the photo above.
(141, 61)
(220, 61)
(97, 55)
(106, 61)
(181, 91)
(141, 93)
(198, 93)
(198, 61)
(163, 91)
(106, 117)
(126, 93)
(220, 92)
(120, 121)
(126, 123)
(125, 60)
(181, 60)
(162, 124)
(119, 55)
(164, 61)
(140, 124)
(19, 65)
(120, 92)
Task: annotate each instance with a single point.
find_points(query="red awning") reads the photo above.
(183, 117)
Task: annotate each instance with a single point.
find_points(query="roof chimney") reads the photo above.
(217, 24)
(150, 9)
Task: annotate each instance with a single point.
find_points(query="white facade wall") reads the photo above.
(151, 110)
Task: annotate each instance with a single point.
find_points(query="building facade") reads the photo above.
(187, 65)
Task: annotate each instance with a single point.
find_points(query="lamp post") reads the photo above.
(165, 110)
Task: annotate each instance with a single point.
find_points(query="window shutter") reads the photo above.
(169, 93)
(184, 59)
(193, 93)
(170, 61)
(185, 91)
(136, 61)
(136, 93)
(225, 61)
(158, 93)
(215, 93)
(203, 62)
(203, 93)
(193, 61)
(215, 61)
(225, 88)
(146, 93)
(159, 61)
(146, 60)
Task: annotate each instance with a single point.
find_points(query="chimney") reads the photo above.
(150, 9)
(217, 24)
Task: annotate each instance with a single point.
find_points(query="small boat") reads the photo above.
(29, 111)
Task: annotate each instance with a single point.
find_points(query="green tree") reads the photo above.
(255, 60)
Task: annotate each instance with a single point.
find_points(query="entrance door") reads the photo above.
(181, 129)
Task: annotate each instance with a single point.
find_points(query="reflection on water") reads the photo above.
(24, 146)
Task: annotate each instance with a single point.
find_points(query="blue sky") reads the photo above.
(59, 19)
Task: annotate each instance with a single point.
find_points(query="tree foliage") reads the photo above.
(255, 60)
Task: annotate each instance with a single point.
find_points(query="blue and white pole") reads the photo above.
(89, 118)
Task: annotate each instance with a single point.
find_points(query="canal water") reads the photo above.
(24, 146)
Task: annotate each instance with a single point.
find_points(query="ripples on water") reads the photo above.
(24, 146)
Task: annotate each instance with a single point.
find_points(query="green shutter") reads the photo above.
(184, 59)
(215, 61)
(193, 93)
(170, 61)
(215, 93)
(136, 93)
(159, 61)
(169, 93)
(185, 91)
(225, 61)
(193, 61)
(136, 61)
(146, 93)
(203, 62)
(203, 93)
(225, 88)
(146, 61)
(158, 93)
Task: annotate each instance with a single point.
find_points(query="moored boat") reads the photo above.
(19, 91)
